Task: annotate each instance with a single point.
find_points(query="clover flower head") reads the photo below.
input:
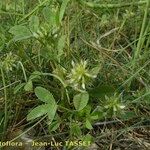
(9, 61)
(113, 104)
(80, 74)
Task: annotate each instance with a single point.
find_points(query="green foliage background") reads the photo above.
(71, 67)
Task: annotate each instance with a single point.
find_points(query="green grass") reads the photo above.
(75, 70)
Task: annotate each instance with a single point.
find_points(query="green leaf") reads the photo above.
(37, 112)
(95, 70)
(35, 75)
(81, 100)
(85, 111)
(28, 86)
(62, 9)
(52, 111)
(50, 16)
(94, 117)
(54, 126)
(18, 88)
(20, 32)
(88, 124)
(61, 45)
(97, 114)
(34, 23)
(75, 130)
(44, 95)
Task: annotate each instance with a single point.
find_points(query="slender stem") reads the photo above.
(55, 76)
(24, 73)
(95, 5)
(139, 45)
(9, 85)
(23, 7)
(148, 38)
(1, 121)
(139, 98)
(64, 108)
(134, 75)
(5, 96)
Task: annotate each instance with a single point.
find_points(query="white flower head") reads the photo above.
(80, 74)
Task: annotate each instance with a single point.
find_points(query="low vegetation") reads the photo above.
(75, 70)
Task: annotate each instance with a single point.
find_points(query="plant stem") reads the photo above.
(139, 45)
(94, 5)
(24, 73)
(5, 97)
(9, 85)
(23, 7)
